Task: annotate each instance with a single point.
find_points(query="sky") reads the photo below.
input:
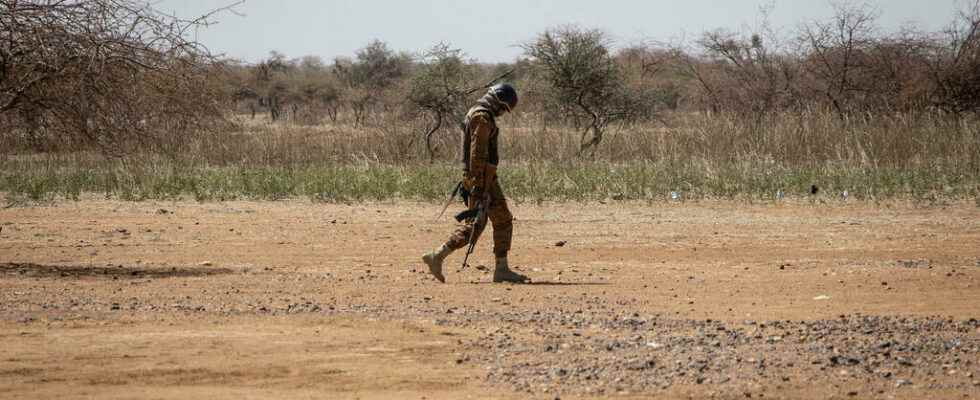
(492, 31)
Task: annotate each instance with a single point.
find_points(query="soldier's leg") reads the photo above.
(503, 231)
(457, 240)
(502, 221)
(461, 235)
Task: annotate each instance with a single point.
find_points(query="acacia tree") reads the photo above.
(438, 89)
(269, 81)
(584, 76)
(102, 72)
(314, 90)
(374, 70)
(325, 94)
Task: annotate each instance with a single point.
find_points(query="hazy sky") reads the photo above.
(491, 30)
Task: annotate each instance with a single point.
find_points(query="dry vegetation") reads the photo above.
(111, 97)
(287, 299)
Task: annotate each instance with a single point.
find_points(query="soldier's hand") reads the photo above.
(471, 183)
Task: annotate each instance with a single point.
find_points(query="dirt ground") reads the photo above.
(108, 299)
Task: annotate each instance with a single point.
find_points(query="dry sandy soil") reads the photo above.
(106, 299)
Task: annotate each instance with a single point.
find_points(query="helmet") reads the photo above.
(505, 94)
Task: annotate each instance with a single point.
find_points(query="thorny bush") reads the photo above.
(103, 74)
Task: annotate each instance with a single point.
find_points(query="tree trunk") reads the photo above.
(595, 127)
(274, 112)
(428, 138)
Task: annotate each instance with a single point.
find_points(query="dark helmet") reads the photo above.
(505, 94)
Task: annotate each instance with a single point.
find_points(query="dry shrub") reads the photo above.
(106, 74)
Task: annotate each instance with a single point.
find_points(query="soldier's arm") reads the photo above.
(480, 168)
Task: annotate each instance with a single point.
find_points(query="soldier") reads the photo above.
(480, 160)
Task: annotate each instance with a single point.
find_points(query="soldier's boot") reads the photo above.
(434, 261)
(503, 273)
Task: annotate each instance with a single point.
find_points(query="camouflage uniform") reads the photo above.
(480, 158)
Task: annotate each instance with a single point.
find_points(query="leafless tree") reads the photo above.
(751, 73)
(955, 66)
(102, 72)
(837, 53)
(647, 70)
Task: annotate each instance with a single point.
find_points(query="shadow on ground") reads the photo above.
(115, 272)
(545, 283)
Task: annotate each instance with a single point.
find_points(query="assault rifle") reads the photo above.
(479, 213)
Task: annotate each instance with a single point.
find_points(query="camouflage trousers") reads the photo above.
(500, 217)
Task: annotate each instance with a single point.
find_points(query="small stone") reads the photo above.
(822, 297)
(902, 382)
(561, 243)
(206, 263)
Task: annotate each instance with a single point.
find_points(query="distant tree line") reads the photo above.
(94, 72)
(574, 77)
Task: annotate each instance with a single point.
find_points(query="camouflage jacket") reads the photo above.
(480, 156)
